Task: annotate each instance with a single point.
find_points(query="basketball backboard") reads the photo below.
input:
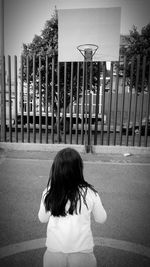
(99, 26)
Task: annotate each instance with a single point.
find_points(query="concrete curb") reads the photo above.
(80, 148)
(121, 150)
(39, 147)
(30, 245)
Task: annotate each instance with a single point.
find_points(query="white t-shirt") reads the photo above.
(72, 233)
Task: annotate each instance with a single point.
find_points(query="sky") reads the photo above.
(25, 18)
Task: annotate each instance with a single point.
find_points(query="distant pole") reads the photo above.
(87, 51)
(87, 59)
(2, 70)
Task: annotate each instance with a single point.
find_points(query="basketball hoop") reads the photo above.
(87, 51)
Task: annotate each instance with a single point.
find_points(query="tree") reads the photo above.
(42, 49)
(137, 45)
(41, 45)
(47, 42)
(47, 45)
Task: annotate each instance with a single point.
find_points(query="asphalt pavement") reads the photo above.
(123, 182)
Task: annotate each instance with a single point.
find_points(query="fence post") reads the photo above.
(123, 99)
(83, 105)
(16, 98)
(110, 104)
(142, 98)
(3, 133)
(65, 102)
(97, 104)
(58, 103)
(136, 98)
(22, 102)
(71, 102)
(116, 103)
(90, 108)
(46, 100)
(130, 101)
(77, 101)
(52, 96)
(34, 102)
(147, 109)
(10, 97)
(28, 101)
(103, 102)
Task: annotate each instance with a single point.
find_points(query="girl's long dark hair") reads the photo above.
(66, 183)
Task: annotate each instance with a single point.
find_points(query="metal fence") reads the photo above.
(45, 101)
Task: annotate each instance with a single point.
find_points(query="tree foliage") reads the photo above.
(46, 45)
(47, 42)
(137, 46)
(35, 53)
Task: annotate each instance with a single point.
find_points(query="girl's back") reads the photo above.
(72, 233)
(66, 206)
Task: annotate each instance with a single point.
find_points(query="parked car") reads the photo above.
(137, 127)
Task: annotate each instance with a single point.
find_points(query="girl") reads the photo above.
(66, 206)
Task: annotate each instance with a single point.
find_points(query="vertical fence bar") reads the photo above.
(3, 116)
(136, 96)
(40, 101)
(4, 112)
(90, 102)
(123, 99)
(83, 105)
(10, 100)
(28, 102)
(103, 103)
(65, 102)
(34, 102)
(16, 99)
(3, 102)
(52, 97)
(110, 104)
(97, 103)
(86, 109)
(71, 103)
(58, 103)
(46, 101)
(130, 101)
(22, 102)
(142, 99)
(116, 103)
(77, 101)
(147, 111)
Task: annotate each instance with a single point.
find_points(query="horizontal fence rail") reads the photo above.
(43, 101)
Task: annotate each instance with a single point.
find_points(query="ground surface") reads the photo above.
(123, 184)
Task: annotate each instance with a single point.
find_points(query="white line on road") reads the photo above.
(99, 241)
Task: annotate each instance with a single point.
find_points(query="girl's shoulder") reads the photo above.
(92, 192)
(92, 195)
